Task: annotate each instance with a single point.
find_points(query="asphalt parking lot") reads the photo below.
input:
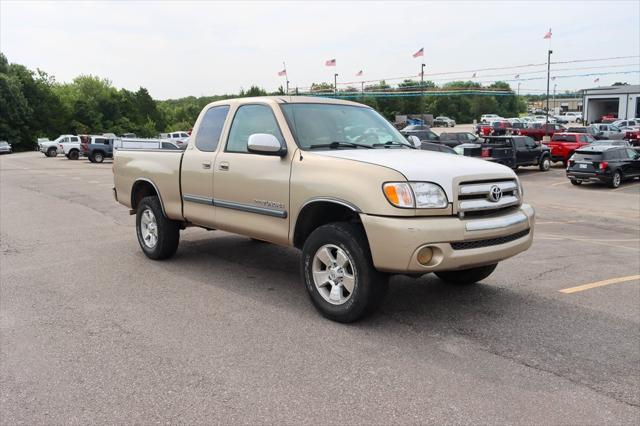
(93, 332)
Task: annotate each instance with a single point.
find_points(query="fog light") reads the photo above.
(425, 254)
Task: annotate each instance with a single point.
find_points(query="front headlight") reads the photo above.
(429, 195)
(520, 189)
(421, 195)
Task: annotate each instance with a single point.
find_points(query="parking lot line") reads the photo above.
(561, 183)
(602, 242)
(626, 187)
(599, 284)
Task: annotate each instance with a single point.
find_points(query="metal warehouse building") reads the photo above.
(621, 100)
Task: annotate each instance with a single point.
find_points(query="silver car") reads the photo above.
(5, 147)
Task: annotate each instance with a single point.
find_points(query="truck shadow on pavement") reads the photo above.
(539, 332)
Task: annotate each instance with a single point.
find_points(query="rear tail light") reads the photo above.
(485, 152)
(603, 165)
(571, 163)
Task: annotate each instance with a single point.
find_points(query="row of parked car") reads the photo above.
(97, 148)
(612, 161)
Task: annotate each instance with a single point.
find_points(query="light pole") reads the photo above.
(518, 89)
(554, 97)
(548, 77)
(335, 84)
(422, 90)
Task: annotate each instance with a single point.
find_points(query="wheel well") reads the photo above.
(141, 189)
(73, 149)
(319, 213)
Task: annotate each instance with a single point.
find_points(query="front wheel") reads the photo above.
(338, 272)
(52, 152)
(545, 164)
(467, 276)
(158, 236)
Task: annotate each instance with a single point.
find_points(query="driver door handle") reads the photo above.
(206, 165)
(224, 166)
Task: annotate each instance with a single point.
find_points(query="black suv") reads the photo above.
(456, 138)
(608, 164)
(423, 135)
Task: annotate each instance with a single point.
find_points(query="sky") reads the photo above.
(199, 48)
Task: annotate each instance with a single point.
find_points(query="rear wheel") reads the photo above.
(338, 272)
(74, 154)
(467, 276)
(545, 164)
(158, 236)
(98, 157)
(616, 180)
(576, 182)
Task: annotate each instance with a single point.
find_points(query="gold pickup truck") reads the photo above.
(336, 180)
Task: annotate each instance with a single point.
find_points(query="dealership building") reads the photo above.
(623, 101)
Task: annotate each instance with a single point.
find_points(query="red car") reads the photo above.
(609, 118)
(563, 145)
(541, 130)
(632, 135)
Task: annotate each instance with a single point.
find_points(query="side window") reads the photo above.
(75, 139)
(631, 153)
(519, 142)
(250, 119)
(583, 139)
(211, 127)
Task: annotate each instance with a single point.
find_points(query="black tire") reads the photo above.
(616, 180)
(370, 285)
(74, 154)
(545, 164)
(168, 231)
(91, 159)
(467, 276)
(52, 152)
(575, 182)
(98, 157)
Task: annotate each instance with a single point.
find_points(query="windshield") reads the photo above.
(323, 124)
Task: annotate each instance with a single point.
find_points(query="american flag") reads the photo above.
(553, 78)
(359, 74)
(548, 34)
(474, 75)
(419, 53)
(517, 76)
(330, 63)
(283, 72)
(597, 80)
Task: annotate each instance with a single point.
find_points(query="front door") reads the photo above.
(197, 167)
(252, 190)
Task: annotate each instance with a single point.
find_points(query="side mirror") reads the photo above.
(415, 141)
(265, 144)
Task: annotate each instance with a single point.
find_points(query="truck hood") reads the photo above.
(427, 166)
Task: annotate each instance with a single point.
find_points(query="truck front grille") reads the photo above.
(474, 198)
(466, 245)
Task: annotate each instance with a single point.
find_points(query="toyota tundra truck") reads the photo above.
(337, 181)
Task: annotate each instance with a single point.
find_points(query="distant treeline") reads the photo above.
(33, 105)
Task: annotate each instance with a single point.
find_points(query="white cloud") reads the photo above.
(195, 48)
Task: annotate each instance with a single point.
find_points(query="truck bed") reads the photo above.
(160, 167)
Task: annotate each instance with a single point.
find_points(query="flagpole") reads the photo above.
(286, 76)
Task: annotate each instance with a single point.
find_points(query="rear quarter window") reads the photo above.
(208, 135)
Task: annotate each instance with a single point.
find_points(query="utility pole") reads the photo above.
(518, 90)
(287, 86)
(362, 89)
(335, 84)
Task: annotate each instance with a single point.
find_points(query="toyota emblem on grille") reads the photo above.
(495, 193)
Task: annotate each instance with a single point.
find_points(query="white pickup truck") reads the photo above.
(53, 148)
(336, 180)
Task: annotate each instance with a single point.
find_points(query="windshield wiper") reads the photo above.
(394, 143)
(336, 145)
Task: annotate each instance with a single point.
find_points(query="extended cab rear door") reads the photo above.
(197, 167)
(251, 191)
